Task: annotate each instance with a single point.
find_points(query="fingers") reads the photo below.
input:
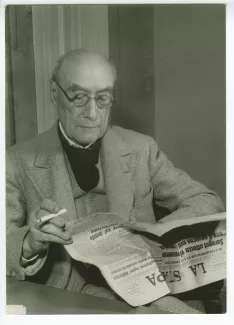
(53, 230)
(55, 239)
(50, 206)
(59, 222)
(56, 231)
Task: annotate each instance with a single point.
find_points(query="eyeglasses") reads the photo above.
(103, 100)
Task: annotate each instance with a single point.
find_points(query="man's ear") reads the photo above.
(53, 93)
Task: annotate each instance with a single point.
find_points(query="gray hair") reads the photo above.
(78, 52)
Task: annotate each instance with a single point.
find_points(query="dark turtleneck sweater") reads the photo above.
(83, 162)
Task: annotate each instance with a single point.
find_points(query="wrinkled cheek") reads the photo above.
(70, 122)
(105, 121)
(73, 116)
(64, 113)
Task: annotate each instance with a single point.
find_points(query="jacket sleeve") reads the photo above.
(176, 191)
(16, 224)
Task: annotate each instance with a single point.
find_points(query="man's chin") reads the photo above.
(87, 137)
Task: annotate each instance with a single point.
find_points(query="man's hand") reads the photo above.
(39, 237)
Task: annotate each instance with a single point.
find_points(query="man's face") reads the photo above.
(79, 77)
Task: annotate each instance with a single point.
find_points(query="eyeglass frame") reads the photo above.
(72, 99)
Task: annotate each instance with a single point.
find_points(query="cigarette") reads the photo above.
(50, 216)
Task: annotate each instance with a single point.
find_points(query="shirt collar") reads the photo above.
(71, 142)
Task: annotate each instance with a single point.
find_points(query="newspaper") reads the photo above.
(141, 270)
(193, 262)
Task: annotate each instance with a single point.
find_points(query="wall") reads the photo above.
(189, 46)
(131, 47)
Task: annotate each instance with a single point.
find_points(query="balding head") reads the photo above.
(78, 56)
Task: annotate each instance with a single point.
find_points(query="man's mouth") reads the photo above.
(88, 126)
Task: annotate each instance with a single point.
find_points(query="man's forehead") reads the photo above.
(85, 64)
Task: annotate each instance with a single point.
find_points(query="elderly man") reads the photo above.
(86, 165)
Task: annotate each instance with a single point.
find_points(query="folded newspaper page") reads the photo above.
(161, 227)
(141, 270)
(123, 257)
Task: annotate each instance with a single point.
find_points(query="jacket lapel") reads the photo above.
(119, 162)
(49, 174)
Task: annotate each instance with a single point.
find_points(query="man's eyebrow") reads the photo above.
(75, 87)
(110, 89)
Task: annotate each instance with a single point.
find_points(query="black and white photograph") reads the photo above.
(115, 161)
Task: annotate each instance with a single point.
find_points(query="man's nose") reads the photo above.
(91, 110)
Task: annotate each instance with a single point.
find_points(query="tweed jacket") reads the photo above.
(136, 175)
